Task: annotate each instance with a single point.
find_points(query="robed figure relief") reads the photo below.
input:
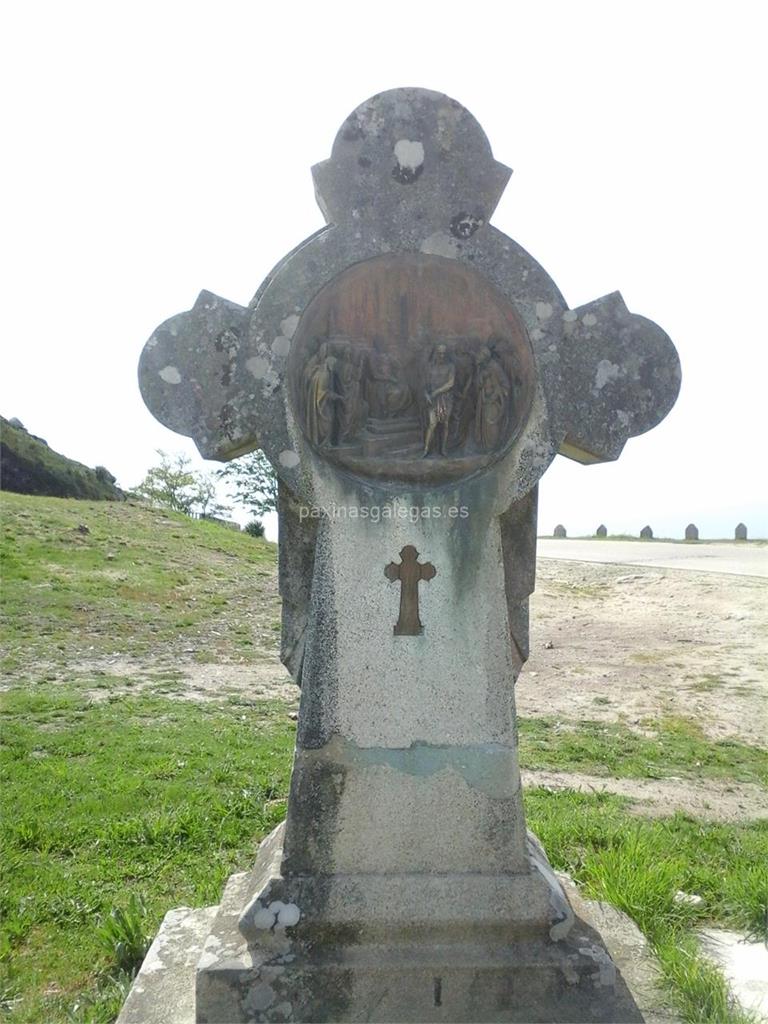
(320, 396)
(493, 388)
(388, 393)
(350, 387)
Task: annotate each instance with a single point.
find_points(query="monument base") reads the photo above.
(591, 975)
(388, 954)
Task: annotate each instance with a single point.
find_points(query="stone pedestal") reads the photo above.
(454, 947)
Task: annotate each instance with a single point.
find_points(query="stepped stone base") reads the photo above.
(201, 970)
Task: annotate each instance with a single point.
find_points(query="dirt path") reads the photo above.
(710, 800)
(621, 643)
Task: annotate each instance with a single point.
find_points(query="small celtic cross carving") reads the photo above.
(410, 574)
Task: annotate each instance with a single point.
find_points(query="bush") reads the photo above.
(255, 528)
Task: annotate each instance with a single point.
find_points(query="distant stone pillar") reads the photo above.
(560, 532)
(646, 533)
(601, 531)
(740, 533)
(691, 532)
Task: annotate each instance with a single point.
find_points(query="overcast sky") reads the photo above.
(155, 149)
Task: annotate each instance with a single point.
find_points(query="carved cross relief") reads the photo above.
(410, 573)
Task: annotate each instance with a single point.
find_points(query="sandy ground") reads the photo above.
(613, 642)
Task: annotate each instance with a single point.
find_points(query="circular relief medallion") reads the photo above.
(411, 367)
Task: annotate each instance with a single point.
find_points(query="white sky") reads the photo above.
(155, 149)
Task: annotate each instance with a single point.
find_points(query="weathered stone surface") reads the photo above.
(164, 989)
(740, 533)
(691, 532)
(167, 994)
(411, 373)
(601, 531)
(646, 533)
(559, 531)
(404, 948)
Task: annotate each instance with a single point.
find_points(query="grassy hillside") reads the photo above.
(87, 580)
(29, 466)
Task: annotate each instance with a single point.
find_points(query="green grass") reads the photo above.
(116, 808)
(141, 580)
(125, 798)
(639, 865)
(130, 802)
(678, 747)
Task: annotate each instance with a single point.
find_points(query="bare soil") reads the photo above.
(630, 644)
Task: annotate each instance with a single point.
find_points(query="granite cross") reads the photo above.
(404, 858)
(410, 574)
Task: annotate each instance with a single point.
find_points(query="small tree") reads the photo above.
(205, 501)
(252, 482)
(174, 485)
(171, 484)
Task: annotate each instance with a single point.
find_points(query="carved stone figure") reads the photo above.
(462, 413)
(438, 394)
(492, 389)
(320, 396)
(349, 381)
(387, 393)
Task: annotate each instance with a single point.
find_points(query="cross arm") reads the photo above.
(392, 572)
(621, 376)
(191, 380)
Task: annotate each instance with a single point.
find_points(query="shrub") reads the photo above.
(255, 528)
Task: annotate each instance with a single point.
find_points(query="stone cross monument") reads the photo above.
(411, 373)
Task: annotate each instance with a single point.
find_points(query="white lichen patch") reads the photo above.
(606, 372)
(289, 325)
(441, 244)
(281, 346)
(276, 915)
(288, 916)
(409, 155)
(569, 316)
(543, 310)
(258, 366)
(288, 458)
(170, 375)
(589, 319)
(263, 918)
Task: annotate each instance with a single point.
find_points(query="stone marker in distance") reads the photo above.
(691, 532)
(740, 533)
(601, 531)
(559, 532)
(646, 533)
(408, 359)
